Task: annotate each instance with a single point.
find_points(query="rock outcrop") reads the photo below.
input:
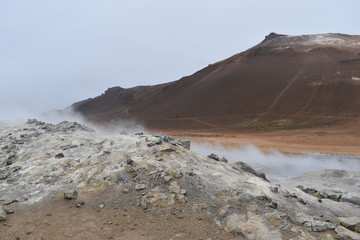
(159, 172)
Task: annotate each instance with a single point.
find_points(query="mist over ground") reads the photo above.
(276, 165)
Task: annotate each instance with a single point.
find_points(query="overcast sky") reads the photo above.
(56, 52)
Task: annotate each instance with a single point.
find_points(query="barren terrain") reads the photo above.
(340, 140)
(65, 181)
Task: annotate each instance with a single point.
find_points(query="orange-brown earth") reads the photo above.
(285, 82)
(290, 93)
(340, 140)
(56, 218)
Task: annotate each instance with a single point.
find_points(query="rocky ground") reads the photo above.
(66, 181)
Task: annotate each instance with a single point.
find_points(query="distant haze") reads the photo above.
(54, 53)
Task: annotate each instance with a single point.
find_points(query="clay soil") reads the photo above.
(56, 218)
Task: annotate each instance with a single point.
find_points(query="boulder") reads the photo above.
(333, 194)
(353, 198)
(345, 234)
(351, 223)
(244, 167)
(319, 226)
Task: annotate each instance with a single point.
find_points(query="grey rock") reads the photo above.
(59, 155)
(174, 187)
(184, 144)
(300, 200)
(273, 205)
(10, 202)
(345, 234)
(223, 159)
(70, 194)
(70, 146)
(10, 211)
(130, 161)
(4, 174)
(244, 167)
(300, 218)
(310, 191)
(3, 216)
(223, 211)
(351, 223)
(319, 226)
(8, 162)
(332, 194)
(353, 198)
(167, 150)
(140, 186)
(79, 204)
(214, 157)
(274, 189)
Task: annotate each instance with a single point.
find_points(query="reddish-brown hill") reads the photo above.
(283, 82)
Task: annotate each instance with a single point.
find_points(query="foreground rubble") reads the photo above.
(67, 160)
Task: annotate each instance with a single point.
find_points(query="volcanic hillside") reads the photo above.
(283, 82)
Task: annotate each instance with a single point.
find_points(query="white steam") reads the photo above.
(109, 128)
(278, 166)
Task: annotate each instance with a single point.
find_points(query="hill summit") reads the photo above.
(284, 81)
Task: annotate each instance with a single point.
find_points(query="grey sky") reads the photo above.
(54, 53)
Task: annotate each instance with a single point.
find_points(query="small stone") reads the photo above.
(274, 189)
(140, 186)
(214, 157)
(130, 162)
(180, 198)
(125, 190)
(70, 194)
(273, 205)
(8, 162)
(167, 150)
(178, 175)
(174, 187)
(183, 191)
(167, 178)
(101, 205)
(10, 211)
(79, 204)
(3, 216)
(10, 202)
(59, 155)
(223, 211)
(300, 200)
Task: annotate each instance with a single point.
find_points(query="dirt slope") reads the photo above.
(284, 82)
